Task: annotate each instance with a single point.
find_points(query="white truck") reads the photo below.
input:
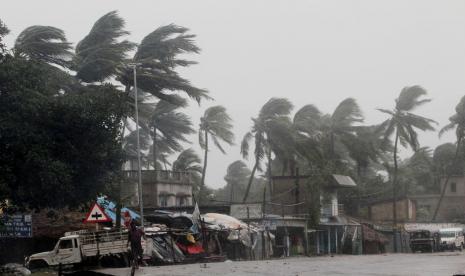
(451, 238)
(84, 247)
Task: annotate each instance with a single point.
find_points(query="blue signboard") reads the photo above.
(15, 226)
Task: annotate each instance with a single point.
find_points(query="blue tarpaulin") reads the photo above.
(110, 209)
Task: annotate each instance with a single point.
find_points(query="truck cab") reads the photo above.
(66, 251)
(451, 239)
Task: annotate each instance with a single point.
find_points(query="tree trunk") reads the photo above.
(270, 180)
(252, 175)
(204, 169)
(231, 196)
(394, 195)
(359, 189)
(449, 174)
(154, 148)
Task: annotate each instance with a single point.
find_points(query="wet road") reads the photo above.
(392, 264)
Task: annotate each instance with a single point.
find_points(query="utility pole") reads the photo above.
(139, 172)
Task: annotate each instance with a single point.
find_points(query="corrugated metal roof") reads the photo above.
(344, 180)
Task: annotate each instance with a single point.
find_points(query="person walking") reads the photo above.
(135, 238)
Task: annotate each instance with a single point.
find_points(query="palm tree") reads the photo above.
(457, 122)
(403, 125)
(44, 43)
(189, 161)
(236, 173)
(101, 54)
(169, 128)
(324, 139)
(216, 124)
(268, 132)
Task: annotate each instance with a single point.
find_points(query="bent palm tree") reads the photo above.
(403, 125)
(44, 43)
(100, 55)
(189, 161)
(169, 128)
(322, 139)
(457, 121)
(270, 130)
(216, 124)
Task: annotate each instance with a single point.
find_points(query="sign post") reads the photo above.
(96, 215)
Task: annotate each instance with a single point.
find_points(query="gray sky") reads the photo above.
(318, 52)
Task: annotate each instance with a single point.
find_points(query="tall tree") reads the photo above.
(403, 125)
(189, 161)
(168, 127)
(325, 139)
(269, 132)
(236, 175)
(457, 122)
(217, 125)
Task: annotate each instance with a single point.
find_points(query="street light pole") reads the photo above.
(139, 172)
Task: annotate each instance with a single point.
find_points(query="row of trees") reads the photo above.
(43, 71)
(66, 110)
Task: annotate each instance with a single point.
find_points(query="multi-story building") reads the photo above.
(160, 188)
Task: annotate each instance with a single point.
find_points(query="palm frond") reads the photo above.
(409, 98)
(100, 54)
(347, 113)
(275, 107)
(245, 144)
(44, 43)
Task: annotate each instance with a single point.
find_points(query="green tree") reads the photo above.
(189, 161)
(216, 124)
(457, 122)
(269, 132)
(236, 178)
(169, 127)
(59, 146)
(403, 125)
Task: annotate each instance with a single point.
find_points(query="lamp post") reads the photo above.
(139, 172)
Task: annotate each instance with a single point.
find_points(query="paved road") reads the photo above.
(392, 264)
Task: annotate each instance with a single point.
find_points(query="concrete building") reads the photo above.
(381, 211)
(161, 188)
(421, 207)
(292, 196)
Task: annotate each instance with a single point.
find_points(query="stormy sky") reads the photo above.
(318, 52)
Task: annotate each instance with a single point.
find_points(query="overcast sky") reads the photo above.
(318, 52)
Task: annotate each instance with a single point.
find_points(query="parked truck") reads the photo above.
(424, 241)
(84, 247)
(451, 239)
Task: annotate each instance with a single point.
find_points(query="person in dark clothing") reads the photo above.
(135, 238)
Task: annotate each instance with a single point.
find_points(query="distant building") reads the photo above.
(160, 188)
(421, 207)
(381, 211)
(292, 197)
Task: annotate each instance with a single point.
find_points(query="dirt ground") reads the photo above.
(392, 264)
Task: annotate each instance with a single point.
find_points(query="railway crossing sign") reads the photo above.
(96, 215)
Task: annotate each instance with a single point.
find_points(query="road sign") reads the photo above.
(16, 226)
(96, 214)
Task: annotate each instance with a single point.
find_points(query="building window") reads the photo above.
(163, 200)
(182, 201)
(453, 187)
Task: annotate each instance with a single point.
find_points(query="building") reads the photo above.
(160, 188)
(421, 208)
(381, 211)
(293, 197)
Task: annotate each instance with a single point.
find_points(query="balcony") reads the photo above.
(161, 176)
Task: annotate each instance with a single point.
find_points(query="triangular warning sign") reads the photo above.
(96, 214)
